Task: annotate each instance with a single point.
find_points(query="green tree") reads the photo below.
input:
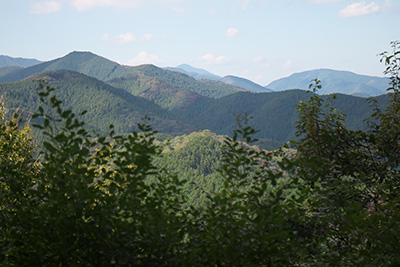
(91, 203)
(18, 171)
(352, 179)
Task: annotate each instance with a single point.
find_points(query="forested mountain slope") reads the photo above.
(153, 89)
(273, 114)
(195, 158)
(8, 69)
(136, 82)
(104, 104)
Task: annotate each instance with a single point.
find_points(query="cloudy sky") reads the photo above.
(261, 40)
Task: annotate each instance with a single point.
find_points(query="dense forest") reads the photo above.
(330, 198)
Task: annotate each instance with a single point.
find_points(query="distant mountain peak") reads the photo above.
(334, 81)
(196, 73)
(244, 83)
(189, 69)
(80, 53)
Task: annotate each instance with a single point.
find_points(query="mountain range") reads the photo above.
(177, 102)
(333, 81)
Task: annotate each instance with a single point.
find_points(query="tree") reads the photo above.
(91, 202)
(18, 171)
(352, 178)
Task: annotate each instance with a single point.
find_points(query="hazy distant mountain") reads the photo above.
(245, 83)
(20, 62)
(230, 79)
(196, 73)
(334, 81)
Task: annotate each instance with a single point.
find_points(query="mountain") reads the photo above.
(9, 69)
(334, 81)
(83, 62)
(105, 70)
(273, 114)
(20, 62)
(156, 90)
(182, 81)
(105, 104)
(245, 83)
(196, 73)
(200, 74)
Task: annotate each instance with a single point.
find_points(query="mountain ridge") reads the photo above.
(6, 61)
(245, 83)
(103, 69)
(334, 81)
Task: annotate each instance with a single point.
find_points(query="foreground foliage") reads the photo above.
(101, 201)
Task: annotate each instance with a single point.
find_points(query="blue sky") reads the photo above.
(261, 40)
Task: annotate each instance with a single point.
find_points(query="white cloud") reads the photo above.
(210, 59)
(126, 38)
(359, 9)
(45, 7)
(146, 37)
(171, 1)
(231, 32)
(83, 5)
(287, 64)
(324, 1)
(144, 58)
(258, 59)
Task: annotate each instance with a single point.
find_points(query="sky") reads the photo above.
(261, 40)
